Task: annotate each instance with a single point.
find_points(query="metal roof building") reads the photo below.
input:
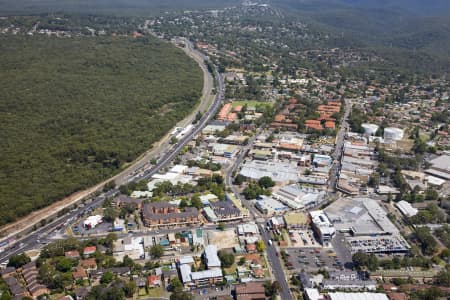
(357, 296)
(212, 260)
(406, 208)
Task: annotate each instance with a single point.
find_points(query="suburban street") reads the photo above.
(335, 168)
(271, 250)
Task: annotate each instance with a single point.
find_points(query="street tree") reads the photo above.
(157, 251)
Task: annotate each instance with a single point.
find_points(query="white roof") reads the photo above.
(139, 194)
(179, 169)
(441, 162)
(406, 208)
(247, 228)
(434, 180)
(357, 296)
(313, 294)
(212, 260)
(185, 271)
(186, 260)
(206, 274)
(208, 197)
(319, 218)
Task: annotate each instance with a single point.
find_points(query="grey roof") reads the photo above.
(212, 260)
(147, 211)
(128, 200)
(224, 208)
(7, 270)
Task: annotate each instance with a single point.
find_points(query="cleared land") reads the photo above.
(74, 111)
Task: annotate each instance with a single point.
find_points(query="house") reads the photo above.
(251, 248)
(88, 264)
(72, 254)
(250, 291)
(89, 250)
(154, 281)
(168, 275)
(15, 288)
(38, 290)
(258, 272)
(120, 271)
(123, 200)
(8, 272)
(141, 282)
(79, 273)
(81, 293)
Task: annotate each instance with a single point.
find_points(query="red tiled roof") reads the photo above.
(89, 250)
(312, 122)
(72, 254)
(88, 263)
(280, 118)
(330, 125)
(238, 108)
(250, 247)
(80, 273)
(314, 126)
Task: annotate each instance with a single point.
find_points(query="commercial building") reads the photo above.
(347, 280)
(357, 296)
(299, 198)
(225, 150)
(201, 278)
(207, 277)
(322, 226)
(393, 134)
(279, 172)
(369, 129)
(123, 200)
(163, 214)
(270, 206)
(211, 258)
(129, 246)
(440, 167)
(250, 291)
(406, 208)
(226, 211)
(92, 221)
(367, 224)
(322, 160)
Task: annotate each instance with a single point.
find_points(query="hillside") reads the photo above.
(74, 111)
(398, 27)
(107, 7)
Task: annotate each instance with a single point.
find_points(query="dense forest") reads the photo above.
(73, 111)
(107, 7)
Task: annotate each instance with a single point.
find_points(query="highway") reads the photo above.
(32, 240)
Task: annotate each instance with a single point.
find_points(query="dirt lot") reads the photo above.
(223, 239)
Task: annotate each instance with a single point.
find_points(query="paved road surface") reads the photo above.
(337, 155)
(277, 269)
